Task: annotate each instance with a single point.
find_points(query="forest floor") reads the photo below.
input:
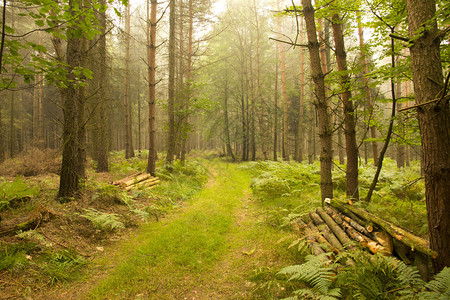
(209, 248)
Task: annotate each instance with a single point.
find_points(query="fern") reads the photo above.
(439, 287)
(377, 277)
(102, 221)
(318, 274)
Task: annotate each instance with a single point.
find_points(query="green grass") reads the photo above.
(212, 244)
(191, 242)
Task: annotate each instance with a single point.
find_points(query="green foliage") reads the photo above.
(123, 167)
(182, 180)
(15, 190)
(14, 257)
(377, 277)
(277, 180)
(318, 274)
(63, 266)
(358, 275)
(439, 287)
(101, 220)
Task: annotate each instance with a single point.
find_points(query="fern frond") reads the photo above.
(317, 274)
(439, 287)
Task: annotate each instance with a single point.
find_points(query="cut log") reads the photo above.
(147, 183)
(339, 206)
(416, 243)
(325, 245)
(335, 228)
(354, 224)
(325, 231)
(311, 239)
(135, 180)
(132, 176)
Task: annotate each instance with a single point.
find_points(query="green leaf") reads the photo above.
(39, 23)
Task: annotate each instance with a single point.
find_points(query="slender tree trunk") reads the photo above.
(285, 150)
(326, 184)
(434, 123)
(151, 61)
(301, 112)
(101, 135)
(311, 133)
(373, 133)
(227, 126)
(171, 86)
(41, 103)
(81, 102)
(390, 128)
(340, 142)
(275, 123)
(2, 139)
(401, 125)
(188, 80)
(129, 152)
(349, 117)
(12, 130)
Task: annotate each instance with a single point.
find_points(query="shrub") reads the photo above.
(33, 162)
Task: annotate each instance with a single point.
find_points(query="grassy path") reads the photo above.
(206, 250)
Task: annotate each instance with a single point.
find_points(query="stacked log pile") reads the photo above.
(136, 181)
(340, 226)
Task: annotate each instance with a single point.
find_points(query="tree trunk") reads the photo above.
(151, 61)
(11, 126)
(2, 139)
(171, 86)
(70, 161)
(129, 152)
(102, 125)
(349, 117)
(326, 184)
(373, 133)
(188, 80)
(434, 123)
(275, 122)
(301, 112)
(227, 127)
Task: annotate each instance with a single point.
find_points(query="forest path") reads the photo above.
(208, 249)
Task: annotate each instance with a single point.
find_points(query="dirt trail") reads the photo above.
(246, 247)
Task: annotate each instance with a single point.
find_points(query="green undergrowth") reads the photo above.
(15, 191)
(355, 275)
(292, 189)
(179, 246)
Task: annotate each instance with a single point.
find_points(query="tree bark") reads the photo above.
(129, 151)
(349, 117)
(275, 103)
(301, 112)
(284, 149)
(102, 143)
(227, 127)
(369, 101)
(434, 123)
(70, 160)
(326, 184)
(151, 61)
(171, 86)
